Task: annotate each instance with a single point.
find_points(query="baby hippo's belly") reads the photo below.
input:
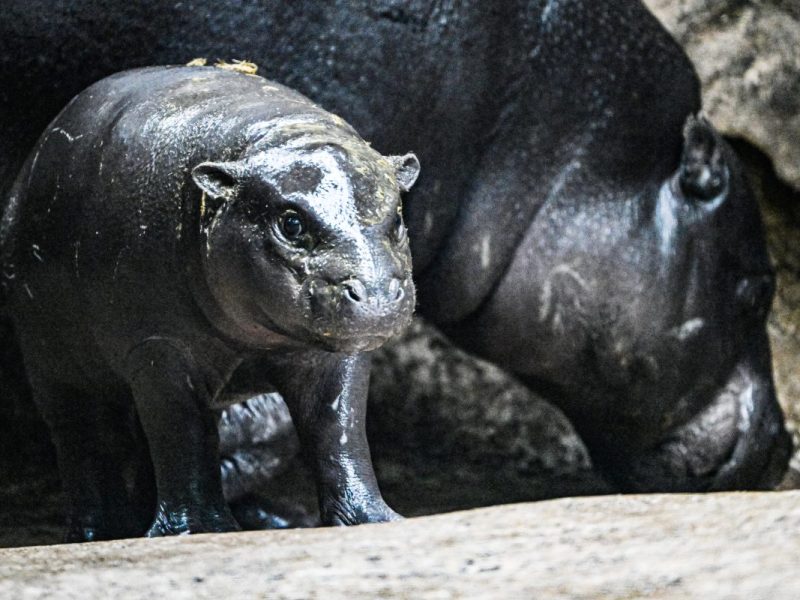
(250, 379)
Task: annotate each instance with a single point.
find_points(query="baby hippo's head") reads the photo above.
(305, 237)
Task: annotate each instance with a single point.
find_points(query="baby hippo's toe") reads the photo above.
(183, 520)
(337, 513)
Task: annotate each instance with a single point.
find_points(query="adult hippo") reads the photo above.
(574, 222)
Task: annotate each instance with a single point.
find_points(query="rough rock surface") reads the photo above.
(681, 546)
(461, 405)
(464, 432)
(746, 54)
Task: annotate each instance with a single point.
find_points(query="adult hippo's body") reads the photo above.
(571, 224)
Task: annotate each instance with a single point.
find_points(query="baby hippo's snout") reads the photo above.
(356, 292)
(352, 315)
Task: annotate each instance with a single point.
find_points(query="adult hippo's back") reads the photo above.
(572, 223)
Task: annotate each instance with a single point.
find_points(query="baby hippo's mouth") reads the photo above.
(363, 343)
(349, 316)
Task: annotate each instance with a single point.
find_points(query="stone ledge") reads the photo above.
(744, 545)
(746, 56)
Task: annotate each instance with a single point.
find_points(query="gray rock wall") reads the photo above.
(748, 57)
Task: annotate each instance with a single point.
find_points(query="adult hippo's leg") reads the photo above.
(763, 446)
(737, 442)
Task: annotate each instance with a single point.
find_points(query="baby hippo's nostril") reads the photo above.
(396, 292)
(354, 290)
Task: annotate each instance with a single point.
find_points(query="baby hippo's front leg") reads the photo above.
(328, 402)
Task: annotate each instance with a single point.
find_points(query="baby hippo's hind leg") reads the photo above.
(257, 513)
(96, 449)
(181, 430)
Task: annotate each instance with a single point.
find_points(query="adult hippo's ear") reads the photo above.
(218, 182)
(406, 170)
(703, 172)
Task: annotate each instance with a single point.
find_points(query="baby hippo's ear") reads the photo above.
(703, 172)
(217, 179)
(406, 170)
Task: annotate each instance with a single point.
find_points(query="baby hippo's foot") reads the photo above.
(95, 527)
(255, 513)
(181, 520)
(373, 510)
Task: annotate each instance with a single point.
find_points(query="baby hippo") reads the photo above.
(171, 224)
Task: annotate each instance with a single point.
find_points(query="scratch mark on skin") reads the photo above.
(77, 252)
(545, 17)
(746, 408)
(66, 134)
(335, 404)
(486, 251)
(547, 289)
(666, 223)
(28, 290)
(428, 222)
(688, 329)
(560, 180)
(33, 163)
(116, 263)
(35, 249)
(558, 324)
(100, 167)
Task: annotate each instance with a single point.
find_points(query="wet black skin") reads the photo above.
(562, 226)
(171, 224)
(628, 361)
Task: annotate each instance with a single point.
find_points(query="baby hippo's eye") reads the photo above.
(292, 225)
